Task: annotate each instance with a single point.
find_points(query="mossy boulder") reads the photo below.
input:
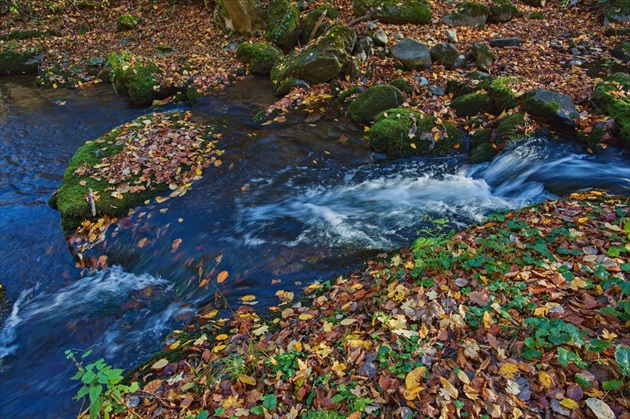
(260, 56)
(487, 143)
(14, 61)
(402, 131)
(510, 128)
(483, 55)
(284, 27)
(395, 11)
(127, 22)
(326, 58)
(468, 13)
(446, 54)
(483, 152)
(373, 101)
(472, 103)
(622, 51)
(503, 98)
(402, 85)
(613, 98)
(137, 79)
(616, 11)
(502, 11)
(554, 108)
(243, 17)
(535, 3)
(312, 18)
(129, 153)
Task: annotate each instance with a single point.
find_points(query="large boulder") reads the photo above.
(412, 54)
(447, 55)
(472, 103)
(373, 101)
(616, 11)
(325, 59)
(468, 13)
(244, 16)
(284, 24)
(260, 56)
(402, 131)
(502, 96)
(395, 11)
(555, 108)
(622, 51)
(611, 96)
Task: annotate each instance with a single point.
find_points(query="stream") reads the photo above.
(292, 203)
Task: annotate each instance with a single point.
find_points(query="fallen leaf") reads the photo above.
(222, 276)
(600, 408)
(160, 364)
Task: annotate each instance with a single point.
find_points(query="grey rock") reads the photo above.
(380, 38)
(421, 81)
(398, 36)
(414, 55)
(556, 108)
(445, 53)
(371, 26)
(468, 13)
(365, 47)
(535, 3)
(451, 35)
(483, 56)
(505, 42)
(436, 90)
(622, 51)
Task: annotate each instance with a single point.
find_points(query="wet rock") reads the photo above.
(505, 42)
(483, 56)
(468, 13)
(395, 11)
(555, 108)
(446, 54)
(15, 62)
(414, 55)
(622, 51)
(373, 101)
(284, 24)
(260, 56)
(328, 57)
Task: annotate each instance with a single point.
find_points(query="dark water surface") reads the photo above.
(295, 202)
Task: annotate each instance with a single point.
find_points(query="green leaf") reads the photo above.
(88, 377)
(83, 391)
(531, 354)
(611, 385)
(95, 392)
(86, 354)
(565, 357)
(597, 345)
(78, 375)
(581, 380)
(203, 415)
(269, 401)
(219, 411)
(257, 410)
(95, 408)
(622, 356)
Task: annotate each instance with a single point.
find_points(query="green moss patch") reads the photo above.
(136, 77)
(472, 103)
(284, 24)
(613, 98)
(127, 22)
(395, 11)
(14, 60)
(373, 101)
(402, 131)
(260, 56)
(132, 163)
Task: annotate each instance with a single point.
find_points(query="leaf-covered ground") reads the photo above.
(526, 315)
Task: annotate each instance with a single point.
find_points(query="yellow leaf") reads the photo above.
(259, 331)
(54, 86)
(463, 377)
(142, 243)
(222, 276)
(160, 364)
(545, 379)
(174, 345)
(339, 368)
(218, 348)
(247, 298)
(412, 145)
(413, 381)
(582, 220)
(608, 335)
(450, 388)
(508, 370)
(541, 311)
(221, 337)
(176, 244)
(327, 326)
(305, 316)
(347, 322)
(569, 404)
(487, 319)
(160, 199)
(246, 379)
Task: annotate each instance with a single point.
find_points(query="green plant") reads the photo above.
(102, 384)
(431, 250)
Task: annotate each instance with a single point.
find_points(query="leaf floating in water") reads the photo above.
(247, 298)
(222, 276)
(142, 243)
(176, 244)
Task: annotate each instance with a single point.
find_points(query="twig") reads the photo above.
(82, 16)
(317, 25)
(91, 200)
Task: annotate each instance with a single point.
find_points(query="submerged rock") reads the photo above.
(412, 54)
(555, 108)
(373, 101)
(395, 11)
(328, 57)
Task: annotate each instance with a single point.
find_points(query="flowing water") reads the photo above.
(291, 203)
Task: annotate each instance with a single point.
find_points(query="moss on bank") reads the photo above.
(613, 97)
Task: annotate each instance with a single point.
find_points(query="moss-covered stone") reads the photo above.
(127, 22)
(14, 61)
(260, 56)
(502, 96)
(616, 10)
(136, 79)
(311, 19)
(395, 11)
(483, 152)
(472, 103)
(350, 94)
(622, 51)
(613, 98)
(483, 55)
(468, 13)
(402, 131)
(510, 128)
(373, 101)
(55, 77)
(446, 54)
(326, 58)
(284, 24)
(555, 108)
(536, 16)
(402, 85)
(458, 88)
(28, 34)
(289, 84)
(502, 11)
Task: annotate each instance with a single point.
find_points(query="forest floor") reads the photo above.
(524, 316)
